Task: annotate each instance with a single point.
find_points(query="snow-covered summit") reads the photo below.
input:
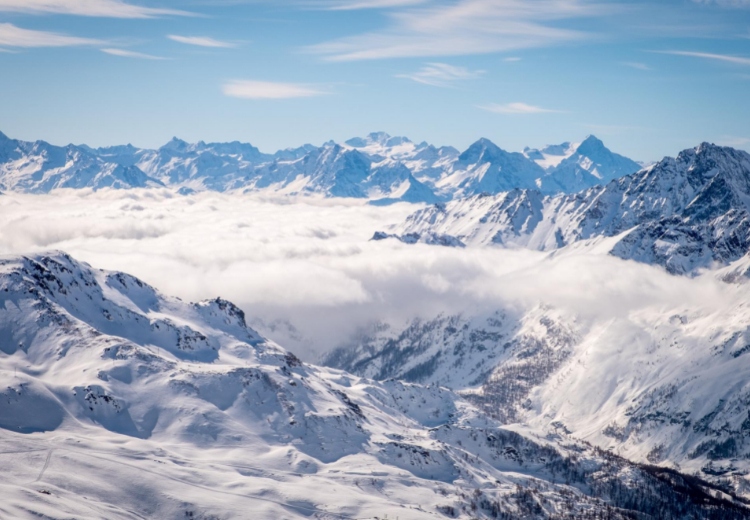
(378, 141)
(484, 167)
(572, 167)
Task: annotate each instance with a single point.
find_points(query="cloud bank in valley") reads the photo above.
(309, 262)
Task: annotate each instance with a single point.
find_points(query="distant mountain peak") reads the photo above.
(382, 139)
(478, 149)
(591, 145)
(176, 145)
(379, 136)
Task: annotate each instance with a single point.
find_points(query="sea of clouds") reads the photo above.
(306, 273)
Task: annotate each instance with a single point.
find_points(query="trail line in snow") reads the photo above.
(46, 465)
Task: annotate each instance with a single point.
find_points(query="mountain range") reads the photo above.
(149, 406)
(663, 386)
(686, 213)
(378, 167)
(120, 402)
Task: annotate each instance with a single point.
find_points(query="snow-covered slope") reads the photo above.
(379, 167)
(660, 384)
(119, 402)
(683, 213)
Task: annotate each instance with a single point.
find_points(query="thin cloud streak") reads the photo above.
(94, 8)
(636, 65)
(131, 54)
(442, 75)
(517, 108)
(13, 36)
(251, 89)
(201, 41)
(466, 27)
(725, 3)
(735, 142)
(371, 4)
(709, 56)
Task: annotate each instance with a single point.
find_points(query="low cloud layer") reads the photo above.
(309, 262)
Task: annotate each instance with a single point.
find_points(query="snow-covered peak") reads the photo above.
(584, 165)
(482, 150)
(39, 166)
(175, 145)
(115, 303)
(484, 167)
(377, 139)
(591, 146)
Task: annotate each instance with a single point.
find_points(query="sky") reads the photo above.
(648, 78)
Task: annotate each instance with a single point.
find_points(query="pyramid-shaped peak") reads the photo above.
(175, 144)
(483, 143)
(482, 149)
(591, 144)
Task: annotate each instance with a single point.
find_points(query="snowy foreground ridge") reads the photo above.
(120, 402)
(378, 167)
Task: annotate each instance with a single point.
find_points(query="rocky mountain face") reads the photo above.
(148, 406)
(683, 213)
(663, 386)
(377, 167)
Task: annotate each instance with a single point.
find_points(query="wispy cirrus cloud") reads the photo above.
(442, 74)
(735, 141)
(467, 27)
(739, 60)
(95, 8)
(518, 108)
(725, 3)
(124, 53)
(348, 5)
(636, 65)
(201, 41)
(251, 89)
(13, 36)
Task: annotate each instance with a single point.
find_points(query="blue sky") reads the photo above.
(649, 78)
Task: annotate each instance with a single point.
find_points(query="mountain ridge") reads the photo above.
(150, 406)
(437, 173)
(685, 213)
